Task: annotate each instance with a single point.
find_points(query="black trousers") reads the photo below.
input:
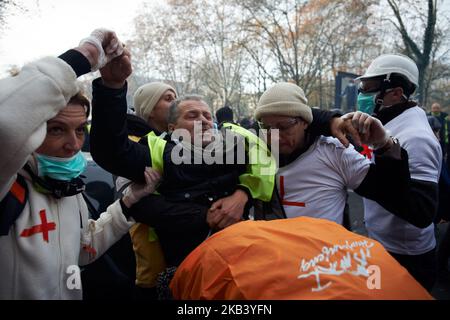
(422, 267)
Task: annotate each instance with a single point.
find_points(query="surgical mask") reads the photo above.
(366, 102)
(64, 169)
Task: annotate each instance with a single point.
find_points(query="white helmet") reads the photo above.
(393, 63)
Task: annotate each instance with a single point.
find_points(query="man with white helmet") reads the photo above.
(385, 91)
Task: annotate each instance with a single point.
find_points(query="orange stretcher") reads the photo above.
(299, 258)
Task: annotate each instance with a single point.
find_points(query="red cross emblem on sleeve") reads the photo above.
(44, 227)
(366, 151)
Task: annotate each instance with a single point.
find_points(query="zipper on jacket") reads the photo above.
(58, 231)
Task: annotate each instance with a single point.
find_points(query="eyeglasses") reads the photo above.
(282, 125)
(363, 89)
(374, 90)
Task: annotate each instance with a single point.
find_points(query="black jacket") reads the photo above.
(181, 225)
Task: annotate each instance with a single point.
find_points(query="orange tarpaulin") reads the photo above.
(300, 258)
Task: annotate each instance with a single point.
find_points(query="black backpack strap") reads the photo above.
(56, 188)
(91, 208)
(12, 204)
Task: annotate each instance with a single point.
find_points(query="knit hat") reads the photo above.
(284, 99)
(147, 96)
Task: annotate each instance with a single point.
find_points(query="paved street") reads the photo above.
(441, 289)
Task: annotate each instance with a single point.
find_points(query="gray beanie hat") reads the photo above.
(147, 96)
(284, 99)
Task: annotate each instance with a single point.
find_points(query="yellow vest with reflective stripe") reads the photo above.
(259, 178)
(156, 146)
(149, 255)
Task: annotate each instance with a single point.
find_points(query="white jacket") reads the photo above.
(51, 236)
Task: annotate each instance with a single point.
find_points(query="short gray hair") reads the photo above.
(174, 113)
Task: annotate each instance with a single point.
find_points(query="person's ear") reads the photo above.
(398, 92)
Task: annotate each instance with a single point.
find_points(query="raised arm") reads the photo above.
(40, 90)
(110, 146)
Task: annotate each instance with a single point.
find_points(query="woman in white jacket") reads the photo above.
(45, 230)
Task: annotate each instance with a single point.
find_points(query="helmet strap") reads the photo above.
(379, 99)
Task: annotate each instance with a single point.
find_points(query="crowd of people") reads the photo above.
(217, 209)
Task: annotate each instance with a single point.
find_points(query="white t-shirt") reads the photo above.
(315, 183)
(412, 130)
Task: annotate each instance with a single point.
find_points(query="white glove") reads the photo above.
(107, 44)
(370, 129)
(135, 192)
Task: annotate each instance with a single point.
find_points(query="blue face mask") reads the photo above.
(64, 169)
(366, 102)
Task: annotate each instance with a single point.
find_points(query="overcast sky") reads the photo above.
(49, 27)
